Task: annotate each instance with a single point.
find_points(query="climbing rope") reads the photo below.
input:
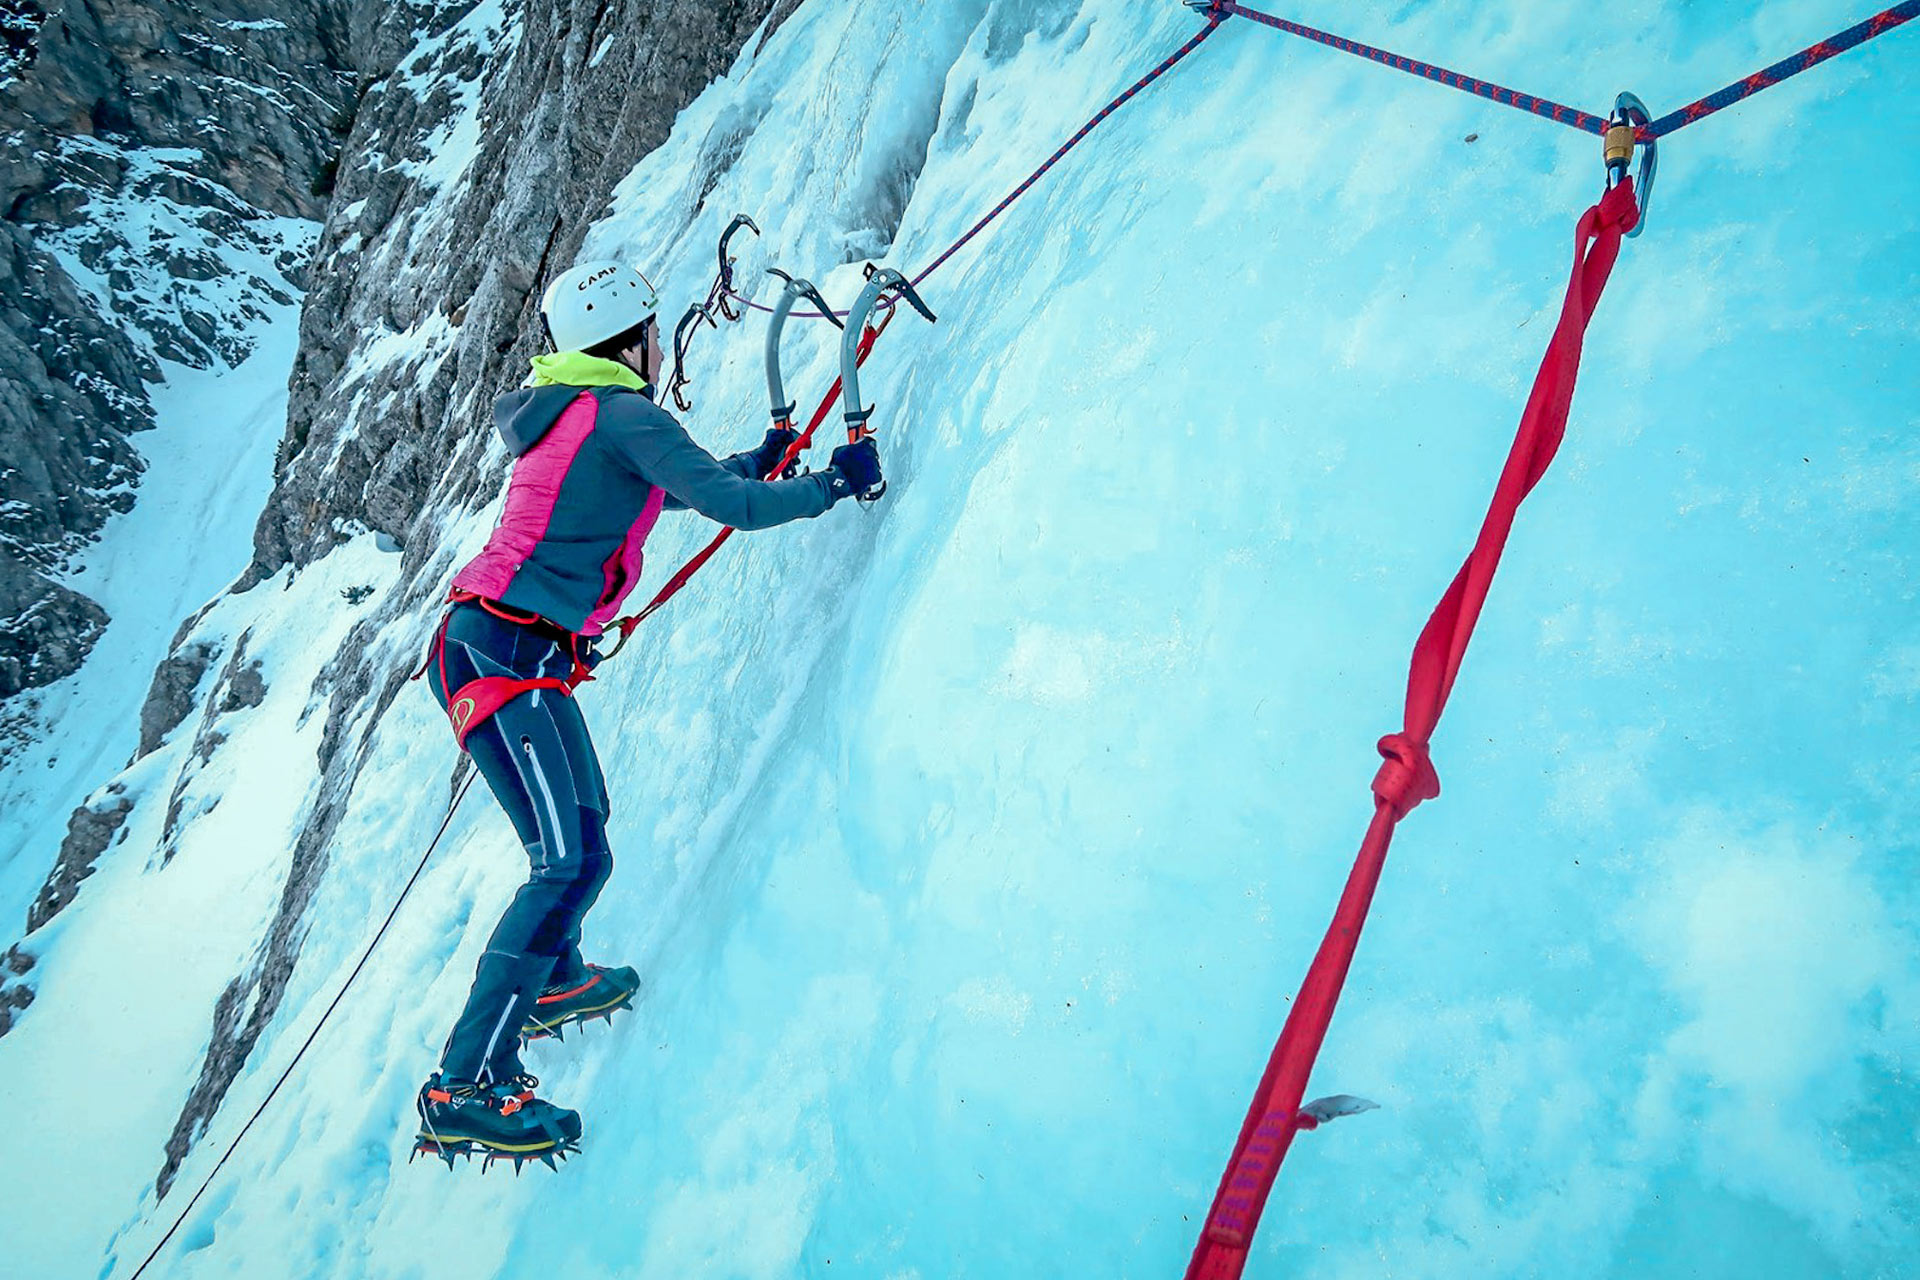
(1545, 108)
(1811, 56)
(1573, 117)
(340, 995)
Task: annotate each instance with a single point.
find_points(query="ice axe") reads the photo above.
(881, 281)
(776, 388)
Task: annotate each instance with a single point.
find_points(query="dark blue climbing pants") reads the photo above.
(536, 755)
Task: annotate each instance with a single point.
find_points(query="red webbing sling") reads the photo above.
(1407, 777)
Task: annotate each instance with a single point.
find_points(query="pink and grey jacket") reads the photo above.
(594, 467)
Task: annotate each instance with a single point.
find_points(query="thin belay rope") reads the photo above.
(313, 1035)
(1407, 777)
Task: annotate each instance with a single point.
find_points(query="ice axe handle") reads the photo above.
(858, 429)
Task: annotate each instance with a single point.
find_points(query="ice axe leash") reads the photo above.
(881, 281)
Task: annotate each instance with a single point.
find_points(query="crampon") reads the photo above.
(495, 1122)
(449, 1149)
(602, 994)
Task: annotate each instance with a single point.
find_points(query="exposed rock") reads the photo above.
(170, 696)
(239, 687)
(89, 831)
(561, 108)
(14, 994)
(52, 630)
(245, 688)
(156, 163)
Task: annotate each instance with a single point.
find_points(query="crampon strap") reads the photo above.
(475, 702)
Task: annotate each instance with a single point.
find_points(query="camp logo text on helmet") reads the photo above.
(594, 301)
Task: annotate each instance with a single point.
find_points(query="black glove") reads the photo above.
(859, 464)
(771, 450)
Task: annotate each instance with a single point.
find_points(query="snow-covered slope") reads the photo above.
(972, 846)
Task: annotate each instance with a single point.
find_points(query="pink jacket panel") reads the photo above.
(531, 495)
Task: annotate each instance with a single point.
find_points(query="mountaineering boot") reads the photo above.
(502, 1121)
(595, 996)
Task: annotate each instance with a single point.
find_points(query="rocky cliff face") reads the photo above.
(161, 168)
(472, 175)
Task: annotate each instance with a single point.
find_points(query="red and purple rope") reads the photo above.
(1165, 66)
(1811, 56)
(1545, 108)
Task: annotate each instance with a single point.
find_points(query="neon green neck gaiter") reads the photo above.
(578, 369)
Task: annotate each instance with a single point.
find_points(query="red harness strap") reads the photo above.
(475, 702)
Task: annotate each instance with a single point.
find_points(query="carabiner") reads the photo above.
(1624, 128)
(727, 260)
(682, 336)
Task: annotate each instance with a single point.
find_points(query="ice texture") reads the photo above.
(971, 847)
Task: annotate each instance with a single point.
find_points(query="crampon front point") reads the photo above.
(447, 1149)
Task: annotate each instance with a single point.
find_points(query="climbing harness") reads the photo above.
(880, 280)
(1407, 775)
(476, 701)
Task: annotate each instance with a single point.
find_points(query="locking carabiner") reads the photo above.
(1625, 130)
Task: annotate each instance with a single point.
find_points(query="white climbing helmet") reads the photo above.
(595, 301)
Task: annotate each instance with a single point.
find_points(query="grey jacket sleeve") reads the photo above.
(648, 439)
(741, 464)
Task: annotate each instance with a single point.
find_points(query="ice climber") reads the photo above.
(595, 463)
